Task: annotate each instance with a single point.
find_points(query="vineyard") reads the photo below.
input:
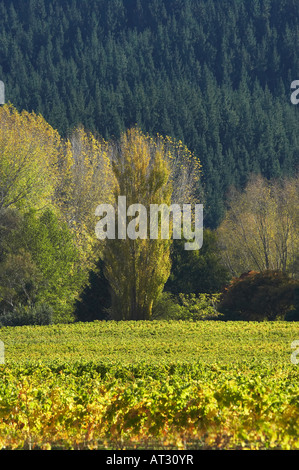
(141, 385)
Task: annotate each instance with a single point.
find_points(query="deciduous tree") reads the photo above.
(29, 149)
(85, 181)
(260, 230)
(147, 171)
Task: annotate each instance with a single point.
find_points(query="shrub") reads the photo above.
(167, 308)
(187, 307)
(200, 307)
(267, 295)
(40, 314)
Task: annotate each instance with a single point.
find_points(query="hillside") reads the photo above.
(214, 74)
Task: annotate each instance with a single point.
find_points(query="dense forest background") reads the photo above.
(214, 74)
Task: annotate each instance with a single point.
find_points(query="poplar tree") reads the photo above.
(146, 171)
(138, 269)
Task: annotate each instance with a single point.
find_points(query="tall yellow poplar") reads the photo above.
(137, 268)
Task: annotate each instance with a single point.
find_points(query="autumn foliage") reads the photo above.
(146, 171)
(50, 188)
(267, 295)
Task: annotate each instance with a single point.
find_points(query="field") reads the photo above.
(126, 385)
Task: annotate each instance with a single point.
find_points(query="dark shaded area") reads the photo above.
(95, 298)
(198, 271)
